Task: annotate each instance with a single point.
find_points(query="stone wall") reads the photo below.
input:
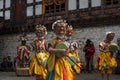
(9, 43)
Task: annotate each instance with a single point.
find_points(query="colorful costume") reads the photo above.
(106, 61)
(58, 66)
(23, 52)
(39, 59)
(73, 51)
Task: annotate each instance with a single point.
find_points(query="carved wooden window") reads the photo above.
(115, 1)
(112, 2)
(53, 6)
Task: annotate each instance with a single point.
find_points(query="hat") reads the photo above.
(88, 41)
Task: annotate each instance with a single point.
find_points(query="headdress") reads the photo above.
(110, 35)
(23, 37)
(58, 21)
(41, 28)
(70, 27)
(70, 31)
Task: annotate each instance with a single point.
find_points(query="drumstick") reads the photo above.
(73, 61)
(38, 61)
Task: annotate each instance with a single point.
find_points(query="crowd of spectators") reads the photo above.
(6, 64)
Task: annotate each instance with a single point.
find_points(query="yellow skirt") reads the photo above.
(110, 62)
(75, 66)
(61, 71)
(37, 69)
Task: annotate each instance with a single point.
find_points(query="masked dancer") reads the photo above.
(39, 59)
(58, 66)
(73, 50)
(106, 60)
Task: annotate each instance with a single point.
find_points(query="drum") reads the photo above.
(22, 71)
(113, 47)
(60, 46)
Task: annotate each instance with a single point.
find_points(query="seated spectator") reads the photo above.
(4, 64)
(9, 64)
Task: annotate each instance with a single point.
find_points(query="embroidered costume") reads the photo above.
(106, 61)
(58, 66)
(73, 51)
(23, 52)
(39, 59)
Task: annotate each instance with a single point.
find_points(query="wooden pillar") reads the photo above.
(66, 8)
(34, 12)
(102, 7)
(78, 10)
(89, 7)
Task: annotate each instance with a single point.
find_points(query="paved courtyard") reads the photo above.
(82, 76)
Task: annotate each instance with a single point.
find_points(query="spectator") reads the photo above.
(4, 64)
(89, 51)
(9, 63)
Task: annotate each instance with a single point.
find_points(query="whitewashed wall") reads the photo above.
(96, 3)
(38, 9)
(72, 4)
(7, 3)
(30, 11)
(9, 43)
(7, 14)
(83, 4)
(29, 1)
(1, 4)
